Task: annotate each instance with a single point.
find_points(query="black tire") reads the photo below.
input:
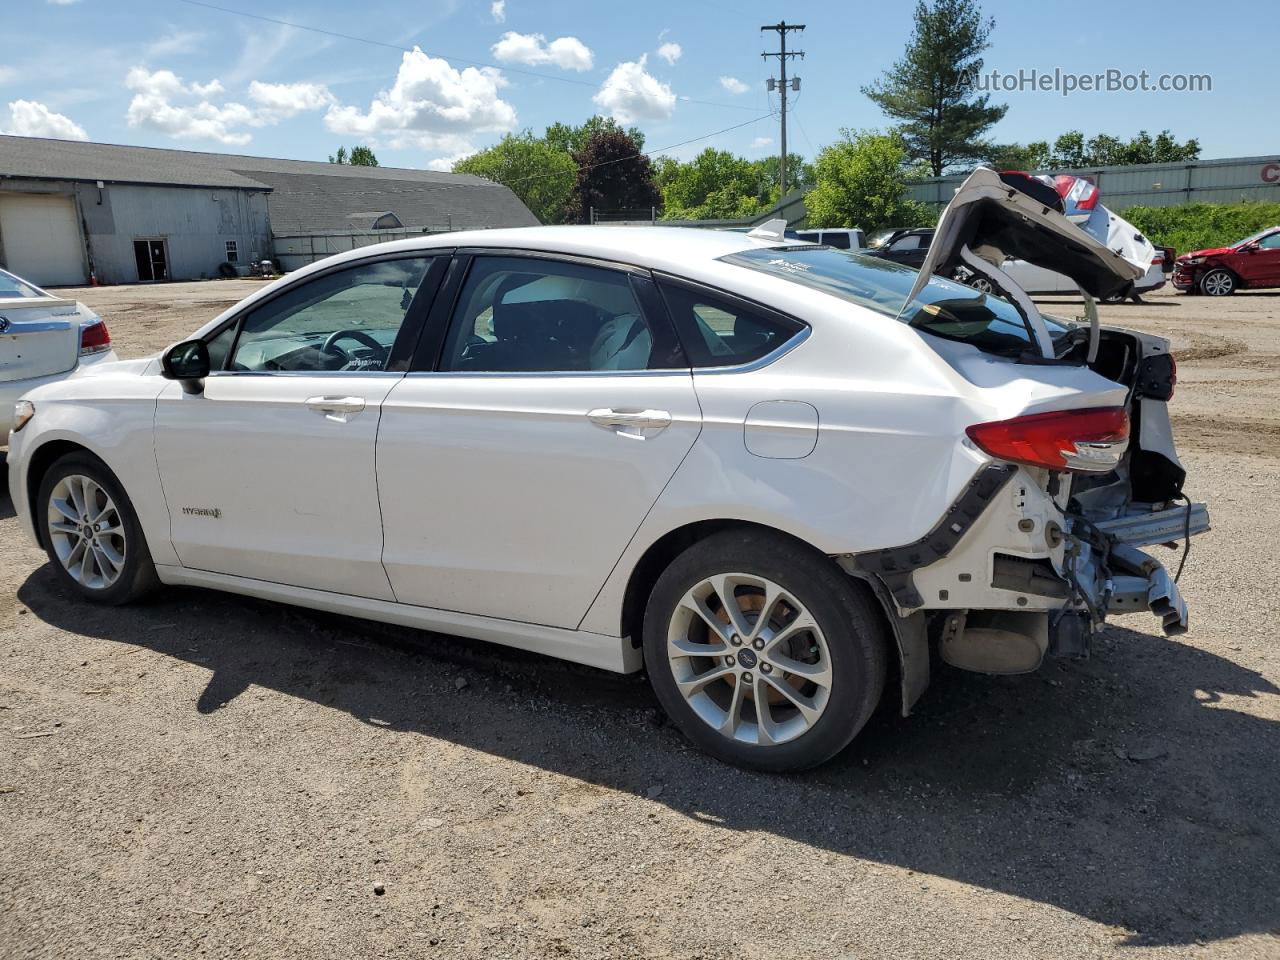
(137, 575)
(1136, 298)
(855, 635)
(1217, 283)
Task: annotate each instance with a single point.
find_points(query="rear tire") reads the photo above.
(801, 638)
(1218, 283)
(91, 532)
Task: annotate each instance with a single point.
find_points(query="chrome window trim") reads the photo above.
(525, 374)
(305, 373)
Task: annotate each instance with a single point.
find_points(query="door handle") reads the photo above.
(632, 419)
(336, 408)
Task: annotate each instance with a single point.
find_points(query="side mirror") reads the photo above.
(1250, 248)
(188, 363)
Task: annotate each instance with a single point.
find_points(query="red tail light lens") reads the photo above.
(94, 338)
(1079, 441)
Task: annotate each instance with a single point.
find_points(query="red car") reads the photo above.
(1253, 262)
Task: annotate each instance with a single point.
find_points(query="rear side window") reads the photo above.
(809, 236)
(838, 240)
(720, 331)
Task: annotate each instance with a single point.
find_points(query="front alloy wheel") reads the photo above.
(86, 532)
(1218, 283)
(762, 651)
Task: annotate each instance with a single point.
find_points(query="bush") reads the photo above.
(1202, 226)
(860, 183)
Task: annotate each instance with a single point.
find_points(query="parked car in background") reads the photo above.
(770, 472)
(43, 338)
(1039, 281)
(906, 245)
(840, 238)
(1253, 262)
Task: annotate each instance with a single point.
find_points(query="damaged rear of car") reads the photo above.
(1097, 482)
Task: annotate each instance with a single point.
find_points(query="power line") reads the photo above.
(403, 49)
(649, 153)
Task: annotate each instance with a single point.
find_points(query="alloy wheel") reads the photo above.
(1218, 283)
(86, 531)
(749, 659)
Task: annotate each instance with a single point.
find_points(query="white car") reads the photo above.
(43, 338)
(771, 473)
(839, 237)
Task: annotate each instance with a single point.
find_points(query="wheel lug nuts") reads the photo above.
(747, 678)
(758, 643)
(736, 640)
(729, 661)
(765, 668)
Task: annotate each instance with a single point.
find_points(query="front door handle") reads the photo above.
(630, 420)
(336, 408)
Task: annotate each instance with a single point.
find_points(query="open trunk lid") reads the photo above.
(39, 336)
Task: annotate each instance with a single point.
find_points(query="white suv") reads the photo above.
(771, 473)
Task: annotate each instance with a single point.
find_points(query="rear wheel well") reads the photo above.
(44, 457)
(669, 546)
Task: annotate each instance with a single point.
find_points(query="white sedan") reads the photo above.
(43, 338)
(771, 473)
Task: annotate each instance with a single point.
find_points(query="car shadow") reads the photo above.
(1134, 789)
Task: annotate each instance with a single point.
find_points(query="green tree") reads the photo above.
(1071, 150)
(572, 139)
(1020, 156)
(860, 183)
(356, 157)
(929, 91)
(542, 176)
(687, 186)
(613, 174)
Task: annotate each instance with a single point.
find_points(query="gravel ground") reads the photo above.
(208, 775)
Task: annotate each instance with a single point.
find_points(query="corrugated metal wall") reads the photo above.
(1157, 184)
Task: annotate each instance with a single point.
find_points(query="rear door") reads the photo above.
(552, 406)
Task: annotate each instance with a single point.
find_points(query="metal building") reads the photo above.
(1152, 184)
(70, 211)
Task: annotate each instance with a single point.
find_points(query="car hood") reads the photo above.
(999, 222)
(1212, 252)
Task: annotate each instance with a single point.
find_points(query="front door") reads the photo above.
(269, 473)
(152, 260)
(514, 474)
(1261, 266)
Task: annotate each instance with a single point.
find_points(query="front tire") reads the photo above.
(1218, 283)
(763, 652)
(91, 532)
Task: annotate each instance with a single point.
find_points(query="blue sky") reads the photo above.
(167, 73)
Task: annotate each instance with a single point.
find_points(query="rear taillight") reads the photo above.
(1076, 192)
(1157, 260)
(1080, 441)
(94, 338)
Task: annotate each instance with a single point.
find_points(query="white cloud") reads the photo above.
(279, 101)
(164, 102)
(431, 105)
(567, 53)
(445, 164)
(631, 93)
(499, 10)
(30, 118)
(670, 51)
(733, 85)
(762, 142)
(174, 42)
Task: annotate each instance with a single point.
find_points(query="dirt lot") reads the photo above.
(208, 775)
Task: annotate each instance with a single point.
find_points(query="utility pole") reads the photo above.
(782, 85)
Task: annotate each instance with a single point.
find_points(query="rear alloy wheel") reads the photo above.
(981, 284)
(1218, 283)
(91, 533)
(763, 652)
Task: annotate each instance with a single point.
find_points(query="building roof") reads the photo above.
(305, 195)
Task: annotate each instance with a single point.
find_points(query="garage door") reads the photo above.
(41, 238)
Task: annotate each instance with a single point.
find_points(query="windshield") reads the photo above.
(880, 238)
(943, 308)
(1257, 236)
(11, 286)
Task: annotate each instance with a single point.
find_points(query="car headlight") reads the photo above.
(23, 411)
(1192, 261)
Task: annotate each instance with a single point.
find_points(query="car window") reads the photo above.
(944, 308)
(1270, 243)
(910, 242)
(15, 287)
(809, 236)
(526, 315)
(345, 321)
(721, 332)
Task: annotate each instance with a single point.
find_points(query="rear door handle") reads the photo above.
(630, 419)
(336, 408)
